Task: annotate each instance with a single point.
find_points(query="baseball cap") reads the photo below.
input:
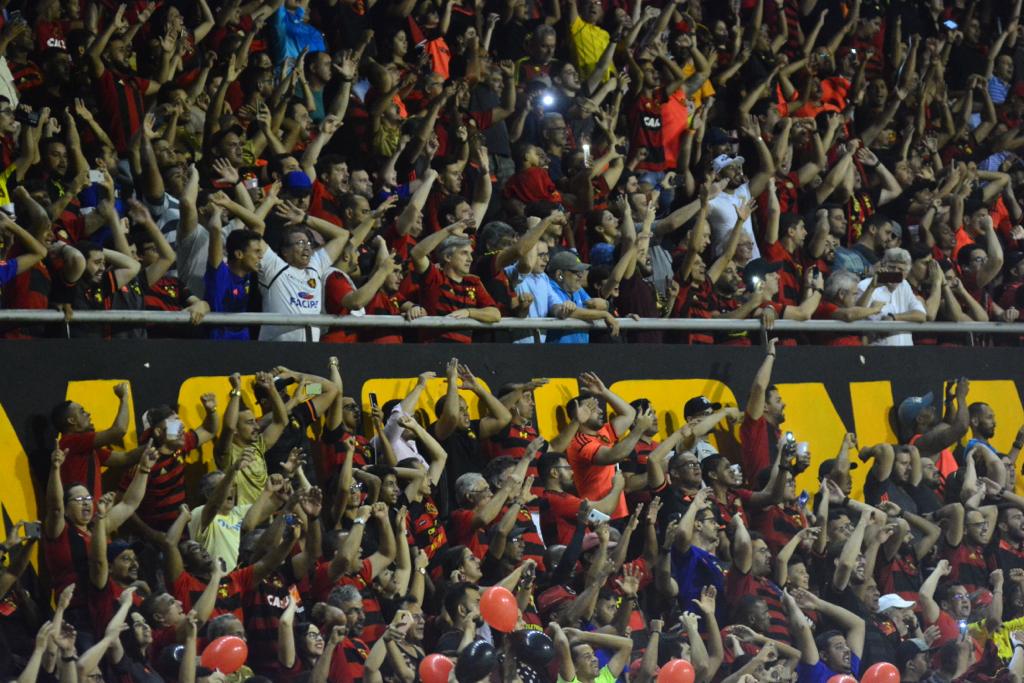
(890, 600)
(758, 268)
(718, 136)
(552, 598)
(826, 467)
(912, 406)
(698, 405)
(724, 161)
(296, 183)
(117, 547)
(590, 542)
(566, 260)
(908, 649)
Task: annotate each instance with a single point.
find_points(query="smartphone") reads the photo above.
(95, 176)
(33, 530)
(963, 627)
(373, 401)
(175, 427)
(951, 25)
(887, 277)
(26, 118)
(586, 155)
(291, 520)
(314, 389)
(596, 516)
(802, 500)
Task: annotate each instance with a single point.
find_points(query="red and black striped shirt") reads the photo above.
(121, 98)
(165, 490)
(427, 531)
(441, 295)
(263, 609)
(233, 588)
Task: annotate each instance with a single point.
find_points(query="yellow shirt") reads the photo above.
(1001, 637)
(588, 44)
(252, 478)
(222, 536)
(705, 90)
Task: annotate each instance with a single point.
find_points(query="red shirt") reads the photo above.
(336, 287)
(756, 437)
(532, 185)
(83, 462)
(121, 99)
(559, 517)
(594, 481)
(66, 556)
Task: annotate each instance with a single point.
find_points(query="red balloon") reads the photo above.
(883, 672)
(435, 668)
(227, 654)
(499, 609)
(842, 678)
(676, 671)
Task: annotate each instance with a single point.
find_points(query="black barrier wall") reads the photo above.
(828, 390)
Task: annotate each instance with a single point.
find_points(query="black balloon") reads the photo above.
(533, 648)
(476, 660)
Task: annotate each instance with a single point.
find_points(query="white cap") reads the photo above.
(724, 160)
(893, 600)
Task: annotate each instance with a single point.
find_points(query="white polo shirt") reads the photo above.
(294, 291)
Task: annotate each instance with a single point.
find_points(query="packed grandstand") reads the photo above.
(600, 161)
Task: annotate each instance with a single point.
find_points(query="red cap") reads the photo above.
(552, 598)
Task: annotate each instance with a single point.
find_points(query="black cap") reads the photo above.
(909, 649)
(698, 405)
(826, 467)
(758, 268)
(718, 136)
(117, 547)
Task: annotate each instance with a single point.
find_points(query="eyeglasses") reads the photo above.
(691, 465)
(301, 244)
(81, 499)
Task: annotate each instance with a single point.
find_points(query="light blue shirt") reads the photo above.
(580, 298)
(541, 288)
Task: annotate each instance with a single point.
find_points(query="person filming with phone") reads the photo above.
(889, 287)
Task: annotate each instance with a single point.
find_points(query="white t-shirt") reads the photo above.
(900, 300)
(722, 216)
(291, 290)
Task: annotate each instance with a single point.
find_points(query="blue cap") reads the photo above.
(912, 406)
(297, 183)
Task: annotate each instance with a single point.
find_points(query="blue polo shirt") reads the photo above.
(227, 293)
(580, 298)
(820, 673)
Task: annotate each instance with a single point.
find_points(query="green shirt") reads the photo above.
(603, 676)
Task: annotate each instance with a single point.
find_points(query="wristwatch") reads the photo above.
(359, 520)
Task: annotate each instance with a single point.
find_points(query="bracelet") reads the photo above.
(422, 570)
(145, 471)
(1016, 645)
(235, 393)
(72, 658)
(358, 520)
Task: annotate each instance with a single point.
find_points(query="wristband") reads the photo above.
(235, 393)
(72, 658)
(846, 501)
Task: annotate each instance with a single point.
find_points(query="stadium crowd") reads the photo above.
(772, 159)
(319, 551)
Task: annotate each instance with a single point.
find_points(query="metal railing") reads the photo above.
(506, 324)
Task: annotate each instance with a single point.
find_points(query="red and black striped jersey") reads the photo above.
(441, 295)
(165, 490)
(427, 531)
(233, 588)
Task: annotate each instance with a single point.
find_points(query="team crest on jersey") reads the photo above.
(311, 282)
(471, 294)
